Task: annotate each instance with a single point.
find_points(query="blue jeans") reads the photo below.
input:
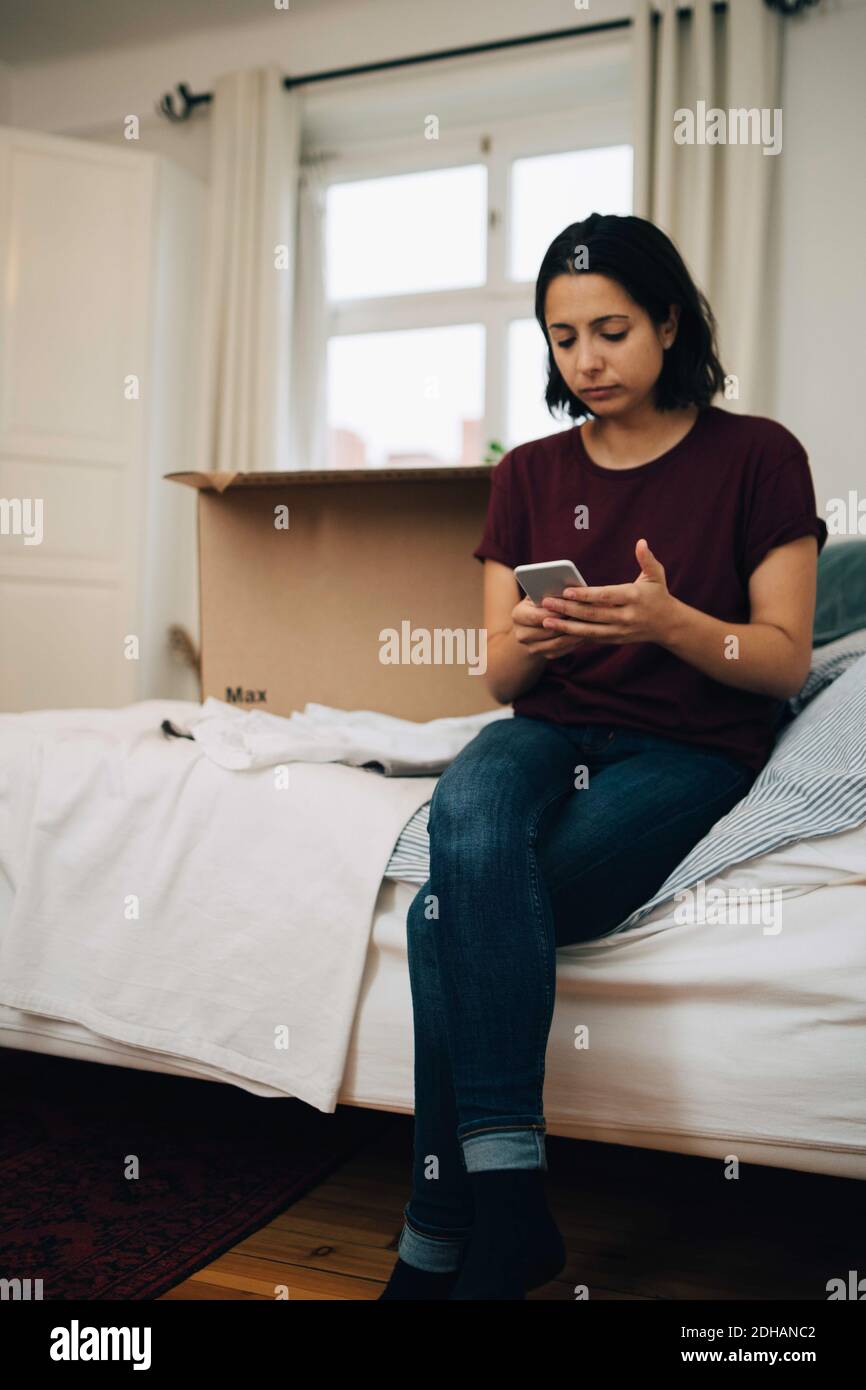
(527, 854)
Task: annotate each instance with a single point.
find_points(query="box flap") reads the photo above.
(205, 482)
(221, 482)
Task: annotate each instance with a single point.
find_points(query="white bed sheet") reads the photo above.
(709, 1040)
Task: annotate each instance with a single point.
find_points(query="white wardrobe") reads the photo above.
(100, 256)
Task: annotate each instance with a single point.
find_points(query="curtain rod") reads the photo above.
(189, 100)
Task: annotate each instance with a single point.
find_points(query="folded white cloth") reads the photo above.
(161, 903)
(238, 739)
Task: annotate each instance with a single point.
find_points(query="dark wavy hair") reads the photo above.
(645, 262)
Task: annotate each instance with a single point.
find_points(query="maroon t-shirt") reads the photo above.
(710, 509)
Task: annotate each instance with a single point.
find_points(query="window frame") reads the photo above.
(500, 300)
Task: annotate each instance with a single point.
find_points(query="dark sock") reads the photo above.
(515, 1243)
(409, 1282)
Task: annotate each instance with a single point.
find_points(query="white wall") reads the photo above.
(818, 272)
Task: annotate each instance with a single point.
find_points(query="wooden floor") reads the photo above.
(638, 1224)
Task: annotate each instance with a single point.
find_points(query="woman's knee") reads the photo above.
(485, 777)
(462, 793)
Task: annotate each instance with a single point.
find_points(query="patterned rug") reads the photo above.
(119, 1184)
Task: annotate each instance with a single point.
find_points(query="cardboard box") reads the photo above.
(356, 589)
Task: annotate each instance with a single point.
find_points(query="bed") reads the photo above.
(709, 1037)
(699, 1049)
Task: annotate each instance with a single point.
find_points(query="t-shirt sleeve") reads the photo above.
(499, 541)
(782, 508)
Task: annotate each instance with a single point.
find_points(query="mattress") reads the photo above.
(707, 1040)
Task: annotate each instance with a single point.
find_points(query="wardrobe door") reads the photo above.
(75, 250)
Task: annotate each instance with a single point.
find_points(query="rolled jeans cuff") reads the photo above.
(504, 1148)
(440, 1254)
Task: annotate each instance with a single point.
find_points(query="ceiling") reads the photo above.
(35, 30)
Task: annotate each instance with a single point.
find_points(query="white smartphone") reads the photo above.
(548, 579)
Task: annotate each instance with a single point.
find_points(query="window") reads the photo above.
(388, 236)
(433, 348)
(407, 396)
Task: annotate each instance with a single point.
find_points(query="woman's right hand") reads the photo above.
(526, 625)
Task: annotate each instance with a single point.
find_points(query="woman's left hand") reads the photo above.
(617, 613)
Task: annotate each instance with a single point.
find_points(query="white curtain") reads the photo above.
(258, 374)
(714, 200)
(308, 431)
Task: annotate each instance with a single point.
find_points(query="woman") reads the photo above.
(644, 708)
